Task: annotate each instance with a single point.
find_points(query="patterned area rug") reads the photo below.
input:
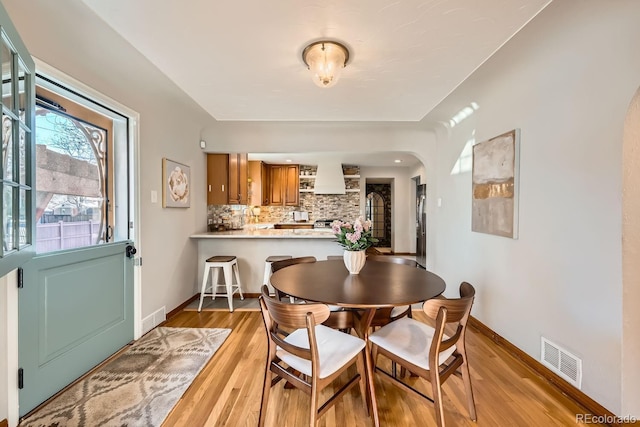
(139, 387)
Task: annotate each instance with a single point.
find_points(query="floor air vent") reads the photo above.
(563, 363)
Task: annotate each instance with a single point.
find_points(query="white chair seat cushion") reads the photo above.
(410, 340)
(397, 311)
(335, 349)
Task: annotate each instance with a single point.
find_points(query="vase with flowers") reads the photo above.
(355, 239)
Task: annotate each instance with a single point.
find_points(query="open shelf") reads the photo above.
(349, 190)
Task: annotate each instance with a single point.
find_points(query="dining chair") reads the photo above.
(278, 265)
(428, 351)
(310, 357)
(387, 315)
(338, 319)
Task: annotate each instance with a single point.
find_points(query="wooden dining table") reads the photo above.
(378, 285)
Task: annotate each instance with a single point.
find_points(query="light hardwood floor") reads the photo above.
(227, 391)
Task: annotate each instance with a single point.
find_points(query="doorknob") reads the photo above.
(130, 251)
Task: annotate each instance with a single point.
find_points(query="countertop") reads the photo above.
(269, 233)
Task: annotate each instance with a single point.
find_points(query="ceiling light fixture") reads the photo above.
(325, 59)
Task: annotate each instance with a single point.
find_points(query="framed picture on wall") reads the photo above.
(176, 184)
(495, 179)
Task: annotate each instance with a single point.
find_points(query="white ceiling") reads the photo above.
(241, 60)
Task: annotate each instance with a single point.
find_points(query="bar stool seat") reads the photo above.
(229, 266)
(267, 269)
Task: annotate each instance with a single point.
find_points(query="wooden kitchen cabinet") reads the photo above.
(227, 179)
(283, 188)
(238, 175)
(292, 185)
(275, 185)
(217, 179)
(259, 189)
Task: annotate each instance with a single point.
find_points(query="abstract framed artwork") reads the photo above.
(495, 182)
(176, 184)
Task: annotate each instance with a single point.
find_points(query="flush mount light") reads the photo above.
(398, 161)
(325, 59)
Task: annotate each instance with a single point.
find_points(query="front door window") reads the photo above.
(15, 205)
(72, 184)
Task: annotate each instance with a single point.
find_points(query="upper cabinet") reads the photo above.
(259, 183)
(238, 179)
(292, 185)
(283, 186)
(217, 179)
(227, 176)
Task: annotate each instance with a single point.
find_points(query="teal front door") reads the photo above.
(75, 310)
(65, 174)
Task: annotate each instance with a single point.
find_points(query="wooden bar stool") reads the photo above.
(229, 266)
(268, 272)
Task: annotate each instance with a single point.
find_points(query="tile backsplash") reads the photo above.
(320, 206)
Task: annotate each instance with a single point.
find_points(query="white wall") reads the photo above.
(566, 81)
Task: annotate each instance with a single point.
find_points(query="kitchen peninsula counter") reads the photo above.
(268, 233)
(253, 246)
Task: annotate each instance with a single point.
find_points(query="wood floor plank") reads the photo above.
(227, 392)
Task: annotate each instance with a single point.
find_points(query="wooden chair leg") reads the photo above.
(313, 413)
(371, 397)
(466, 378)
(266, 389)
(436, 386)
(363, 379)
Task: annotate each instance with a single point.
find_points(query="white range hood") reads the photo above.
(329, 178)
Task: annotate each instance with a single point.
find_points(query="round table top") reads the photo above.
(379, 284)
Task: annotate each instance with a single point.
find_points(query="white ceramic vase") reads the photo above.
(354, 261)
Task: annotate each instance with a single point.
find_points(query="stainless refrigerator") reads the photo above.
(421, 224)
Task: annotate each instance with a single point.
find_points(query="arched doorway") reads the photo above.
(378, 210)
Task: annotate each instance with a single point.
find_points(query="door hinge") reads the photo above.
(20, 378)
(20, 278)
